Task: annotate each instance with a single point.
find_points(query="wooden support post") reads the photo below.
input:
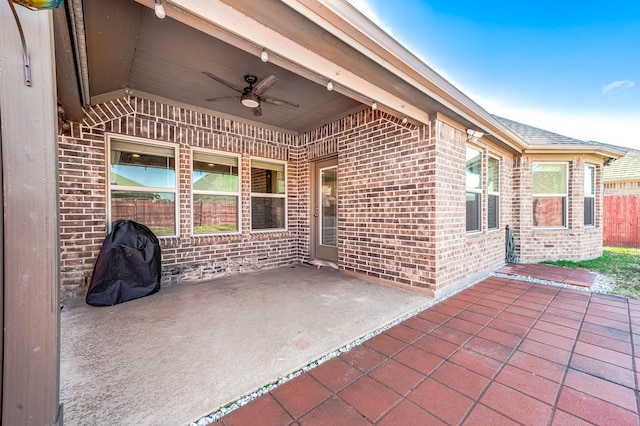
(30, 251)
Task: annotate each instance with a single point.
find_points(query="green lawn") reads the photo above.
(623, 265)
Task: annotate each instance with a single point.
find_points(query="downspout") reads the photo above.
(76, 16)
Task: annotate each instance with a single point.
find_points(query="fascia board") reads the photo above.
(574, 149)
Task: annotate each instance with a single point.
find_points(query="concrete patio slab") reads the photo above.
(501, 352)
(178, 355)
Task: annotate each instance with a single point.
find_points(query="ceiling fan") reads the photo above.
(252, 95)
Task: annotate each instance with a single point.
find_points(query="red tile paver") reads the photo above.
(542, 350)
(501, 352)
(263, 411)
(576, 277)
(436, 346)
(536, 365)
(386, 344)
(459, 378)
(483, 416)
(516, 405)
(363, 358)
(594, 410)
(560, 418)
(558, 329)
(597, 352)
(467, 327)
(605, 342)
(529, 383)
(607, 391)
(551, 339)
(334, 412)
(335, 374)
(409, 414)
(509, 327)
(421, 361)
(603, 370)
(476, 362)
(488, 348)
(450, 406)
(397, 376)
(498, 336)
(370, 398)
(404, 333)
(300, 395)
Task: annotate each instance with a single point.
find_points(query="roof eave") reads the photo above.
(599, 150)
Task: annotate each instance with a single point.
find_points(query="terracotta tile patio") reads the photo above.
(577, 277)
(501, 352)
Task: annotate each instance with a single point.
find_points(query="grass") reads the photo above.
(620, 264)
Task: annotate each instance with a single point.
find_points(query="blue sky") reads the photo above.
(565, 66)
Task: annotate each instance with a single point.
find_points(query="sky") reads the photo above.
(569, 67)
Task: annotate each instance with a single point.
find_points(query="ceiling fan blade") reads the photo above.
(265, 84)
(224, 98)
(257, 111)
(279, 102)
(219, 80)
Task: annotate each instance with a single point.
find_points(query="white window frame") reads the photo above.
(593, 196)
(494, 193)
(565, 195)
(237, 194)
(267, 195)
(475, 190)
(110, 138)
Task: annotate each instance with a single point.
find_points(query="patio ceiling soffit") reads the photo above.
(222, 21)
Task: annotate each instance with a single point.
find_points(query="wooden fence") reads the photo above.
(621, 227)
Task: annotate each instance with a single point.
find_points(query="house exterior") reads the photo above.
(345, 148)
(622, 201)
(414, 197)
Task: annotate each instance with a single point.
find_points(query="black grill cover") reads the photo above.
(128, 266)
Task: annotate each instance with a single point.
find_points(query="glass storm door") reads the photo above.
(325, 210)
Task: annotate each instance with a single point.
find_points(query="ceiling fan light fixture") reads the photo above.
(250, 100)
(159, 9)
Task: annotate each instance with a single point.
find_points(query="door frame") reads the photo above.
(316, 205)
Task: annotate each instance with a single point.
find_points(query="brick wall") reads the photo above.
(575, 242)
(83, 187)
(461, 257)
(385, 200)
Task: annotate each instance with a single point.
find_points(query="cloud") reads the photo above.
(617, 85)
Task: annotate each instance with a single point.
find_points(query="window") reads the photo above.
(550, 194)
(474, 189)
(142, 185)
(268, 195)
(216, 193)
(589, 196)
(493, 189)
